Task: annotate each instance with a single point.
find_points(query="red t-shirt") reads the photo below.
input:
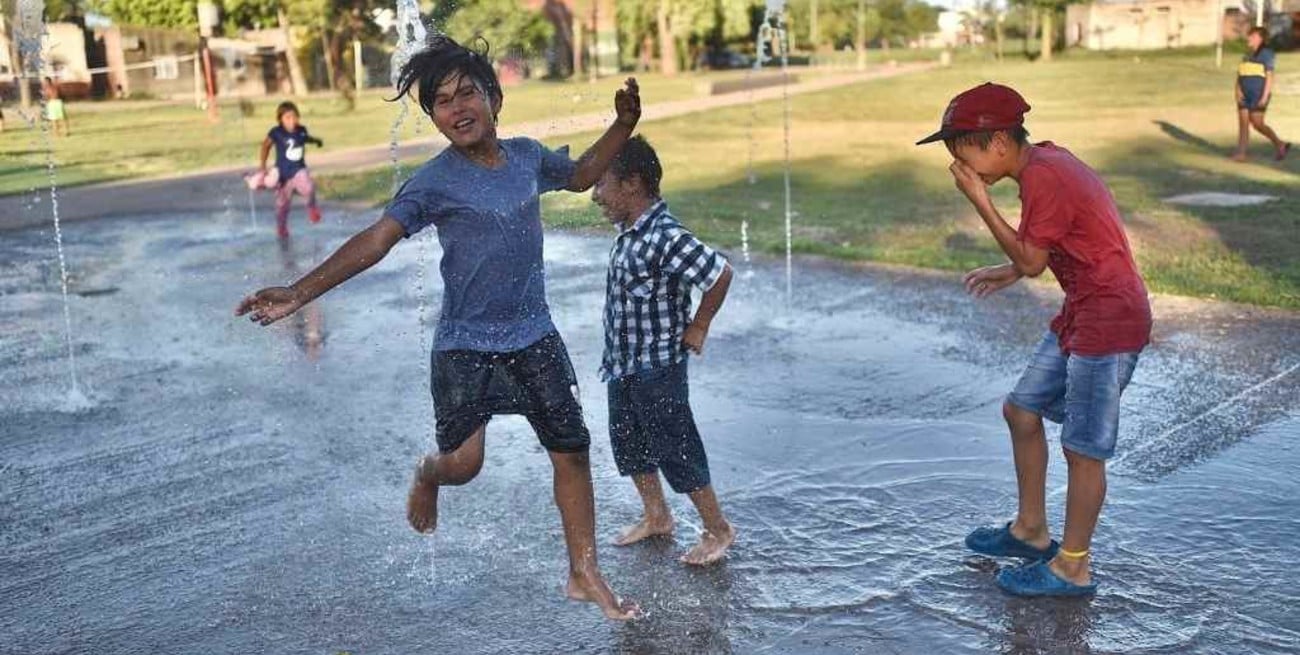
(1068, 211)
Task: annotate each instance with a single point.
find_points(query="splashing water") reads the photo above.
(28, 32)
(773, 30)
(411, 37)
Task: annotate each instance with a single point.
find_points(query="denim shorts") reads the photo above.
(470, 387)
(651, 428)
(1081, 392)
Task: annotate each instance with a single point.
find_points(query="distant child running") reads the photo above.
(290, 139)
(1069, 223)
(654, 264)
(496, 350)
(1254, 89)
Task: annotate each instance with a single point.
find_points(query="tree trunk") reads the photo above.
(329, 56)
(647, 53)
(1032, 31)
(860, 42)
(997, 34)
(296, 78)
(814, 38)
(1047, 35)
(667, 40)
(579, 44)
(15, 58)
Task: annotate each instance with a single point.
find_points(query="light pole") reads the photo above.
(209, 15)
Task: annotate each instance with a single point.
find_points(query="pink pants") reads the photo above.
(301, 184)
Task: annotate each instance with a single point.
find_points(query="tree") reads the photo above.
(154, 13)
(503, 24)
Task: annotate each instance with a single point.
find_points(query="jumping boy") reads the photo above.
(290, 139)
(496, 350)
(649, 330)
(1070, 224)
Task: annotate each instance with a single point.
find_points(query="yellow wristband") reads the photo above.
(1073, 554)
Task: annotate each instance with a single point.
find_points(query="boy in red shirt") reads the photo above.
(1070, 224)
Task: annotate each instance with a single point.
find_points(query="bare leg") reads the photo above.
(1257, 120)
(718, 533)
(1029, 443)
(1243, 135)
(454, 468)
(1083, 503)
(573, 495)
(656, 519)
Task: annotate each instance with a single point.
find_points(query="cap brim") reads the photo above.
(937, 136)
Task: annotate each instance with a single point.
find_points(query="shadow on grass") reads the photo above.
(1180, 134)
(1248, 253)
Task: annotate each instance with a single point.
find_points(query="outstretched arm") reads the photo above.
(317, 142)
(592, 164)
(359, 253)
(1027, 259)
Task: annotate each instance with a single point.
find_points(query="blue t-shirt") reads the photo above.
(1252, 72)
(290, 150)
(489, 223)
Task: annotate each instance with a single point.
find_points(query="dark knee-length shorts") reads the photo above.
(470, 387)
(651, 428)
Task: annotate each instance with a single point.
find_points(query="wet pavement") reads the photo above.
(239, 489)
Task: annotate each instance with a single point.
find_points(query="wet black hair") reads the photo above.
(983, 138)
(442, 58)
(637, 158)
(284, 108)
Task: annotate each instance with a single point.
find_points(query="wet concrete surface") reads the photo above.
(240, 490)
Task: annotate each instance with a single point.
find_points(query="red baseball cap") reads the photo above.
(988, 106)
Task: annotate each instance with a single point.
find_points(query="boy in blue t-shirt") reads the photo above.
(496, 350)
(290, 139)
(1254, 88)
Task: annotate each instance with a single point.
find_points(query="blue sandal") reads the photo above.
(999, 542)
(1038, 579)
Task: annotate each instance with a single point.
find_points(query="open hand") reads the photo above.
(270, 305)
(982, 282)
(694, 338)
(969, 182)
(627, 103)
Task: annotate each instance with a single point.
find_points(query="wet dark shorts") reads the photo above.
(470, 387)
(652, 429)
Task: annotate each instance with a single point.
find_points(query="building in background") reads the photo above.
(1160, 24)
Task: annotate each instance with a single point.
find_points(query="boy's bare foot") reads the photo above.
(589, 587)
(1238, 156)
(644, 529)
(422, 502)
(712, 547)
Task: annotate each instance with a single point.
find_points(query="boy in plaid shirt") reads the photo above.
(648, 332)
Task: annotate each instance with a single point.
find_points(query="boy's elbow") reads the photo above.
(579, 183)
(1031, 269)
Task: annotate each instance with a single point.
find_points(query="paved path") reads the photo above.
(213, 189)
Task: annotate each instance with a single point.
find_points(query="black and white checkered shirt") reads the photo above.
(652, 267)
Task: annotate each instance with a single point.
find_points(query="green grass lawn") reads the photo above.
(1153, 125)
(125, 141)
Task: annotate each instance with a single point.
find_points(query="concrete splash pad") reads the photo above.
(242, 488)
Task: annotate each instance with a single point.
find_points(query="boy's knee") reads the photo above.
(579, 459)
(1016, 415)
(1076, 459)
